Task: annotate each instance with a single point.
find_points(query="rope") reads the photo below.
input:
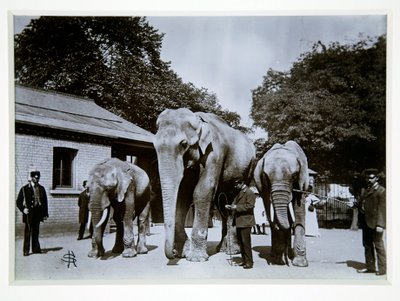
(228, 237)
(322, 196)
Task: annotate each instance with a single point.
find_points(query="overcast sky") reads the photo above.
(230, 55)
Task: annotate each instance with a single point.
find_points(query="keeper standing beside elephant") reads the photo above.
(372, 220)
(243, 206)
(83, 203)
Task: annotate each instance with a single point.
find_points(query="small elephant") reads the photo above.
(198, 155)
(280, 176)
(126, 188)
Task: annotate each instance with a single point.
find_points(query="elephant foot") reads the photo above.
(197, 256)
(142, 249)
(117, 249)
(94, 253)
(300, 261)
(129, 253)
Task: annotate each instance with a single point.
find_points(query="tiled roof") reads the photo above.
(68, 112)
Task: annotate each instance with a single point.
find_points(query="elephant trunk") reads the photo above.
(170, 177)
(281, 197)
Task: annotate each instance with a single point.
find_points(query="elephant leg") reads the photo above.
(117, 217)
(129, 237)
(196, 250)
(278, 245)
(142, 223)
(300, 258)
(97, 239)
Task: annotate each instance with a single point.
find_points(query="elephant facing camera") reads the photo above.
(125, 188)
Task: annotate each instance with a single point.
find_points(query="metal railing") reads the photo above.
(335, 209)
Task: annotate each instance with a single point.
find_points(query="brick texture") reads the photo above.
(34, 151)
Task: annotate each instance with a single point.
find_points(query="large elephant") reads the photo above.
(280, 176)
(198, 154)
(126, 188)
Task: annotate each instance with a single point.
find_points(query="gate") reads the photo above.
(335, 209)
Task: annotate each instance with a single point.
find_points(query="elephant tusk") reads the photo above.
(103, 218)
(291, 211)
(272, 213)
(89, 220)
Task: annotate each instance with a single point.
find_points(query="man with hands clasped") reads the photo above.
(244, 220)
(373, 223)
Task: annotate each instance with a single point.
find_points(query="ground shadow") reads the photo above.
(110, 255)
(355, 264)
(212, 247)
(55, 249)
(264, 252)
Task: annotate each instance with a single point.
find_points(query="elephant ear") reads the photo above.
(303, 173)
(205, 135)
(124, 180)
(303, 163)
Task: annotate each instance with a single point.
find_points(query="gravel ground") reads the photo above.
(333, 258)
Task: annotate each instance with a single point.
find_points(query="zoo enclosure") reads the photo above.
(335, 209)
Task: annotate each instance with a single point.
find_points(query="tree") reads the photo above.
(332, 102)
(113, 60)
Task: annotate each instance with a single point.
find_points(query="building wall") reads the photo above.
(36, 151)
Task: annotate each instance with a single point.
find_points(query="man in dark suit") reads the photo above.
(243, 206)
(83, 203)
(32, 202)
(373, 223)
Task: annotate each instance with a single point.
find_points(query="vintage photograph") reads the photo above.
(208, 148)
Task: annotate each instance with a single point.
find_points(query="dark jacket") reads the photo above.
(375, 207)
(244, 215)
(28, 202)
(83, 202)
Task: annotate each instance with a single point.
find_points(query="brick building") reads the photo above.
(64, 136)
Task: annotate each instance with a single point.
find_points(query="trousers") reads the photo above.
(244, 238)
(32, 233)
(374, 247)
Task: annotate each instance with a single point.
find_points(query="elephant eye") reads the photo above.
(184, 143)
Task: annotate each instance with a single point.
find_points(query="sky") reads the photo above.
(229, 55)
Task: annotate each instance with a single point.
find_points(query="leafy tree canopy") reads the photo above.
(113, 60)
(333, 103)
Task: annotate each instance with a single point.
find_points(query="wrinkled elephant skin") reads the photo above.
(282, 169)
(197, 154)
(126, 188)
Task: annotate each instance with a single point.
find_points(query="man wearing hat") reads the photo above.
(32, 202)
(244, 220)
(83, 203)
(373, 223)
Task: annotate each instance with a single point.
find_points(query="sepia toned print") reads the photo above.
(162, 117)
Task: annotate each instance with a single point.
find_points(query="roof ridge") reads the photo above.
(53, 92)
(76, 114)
